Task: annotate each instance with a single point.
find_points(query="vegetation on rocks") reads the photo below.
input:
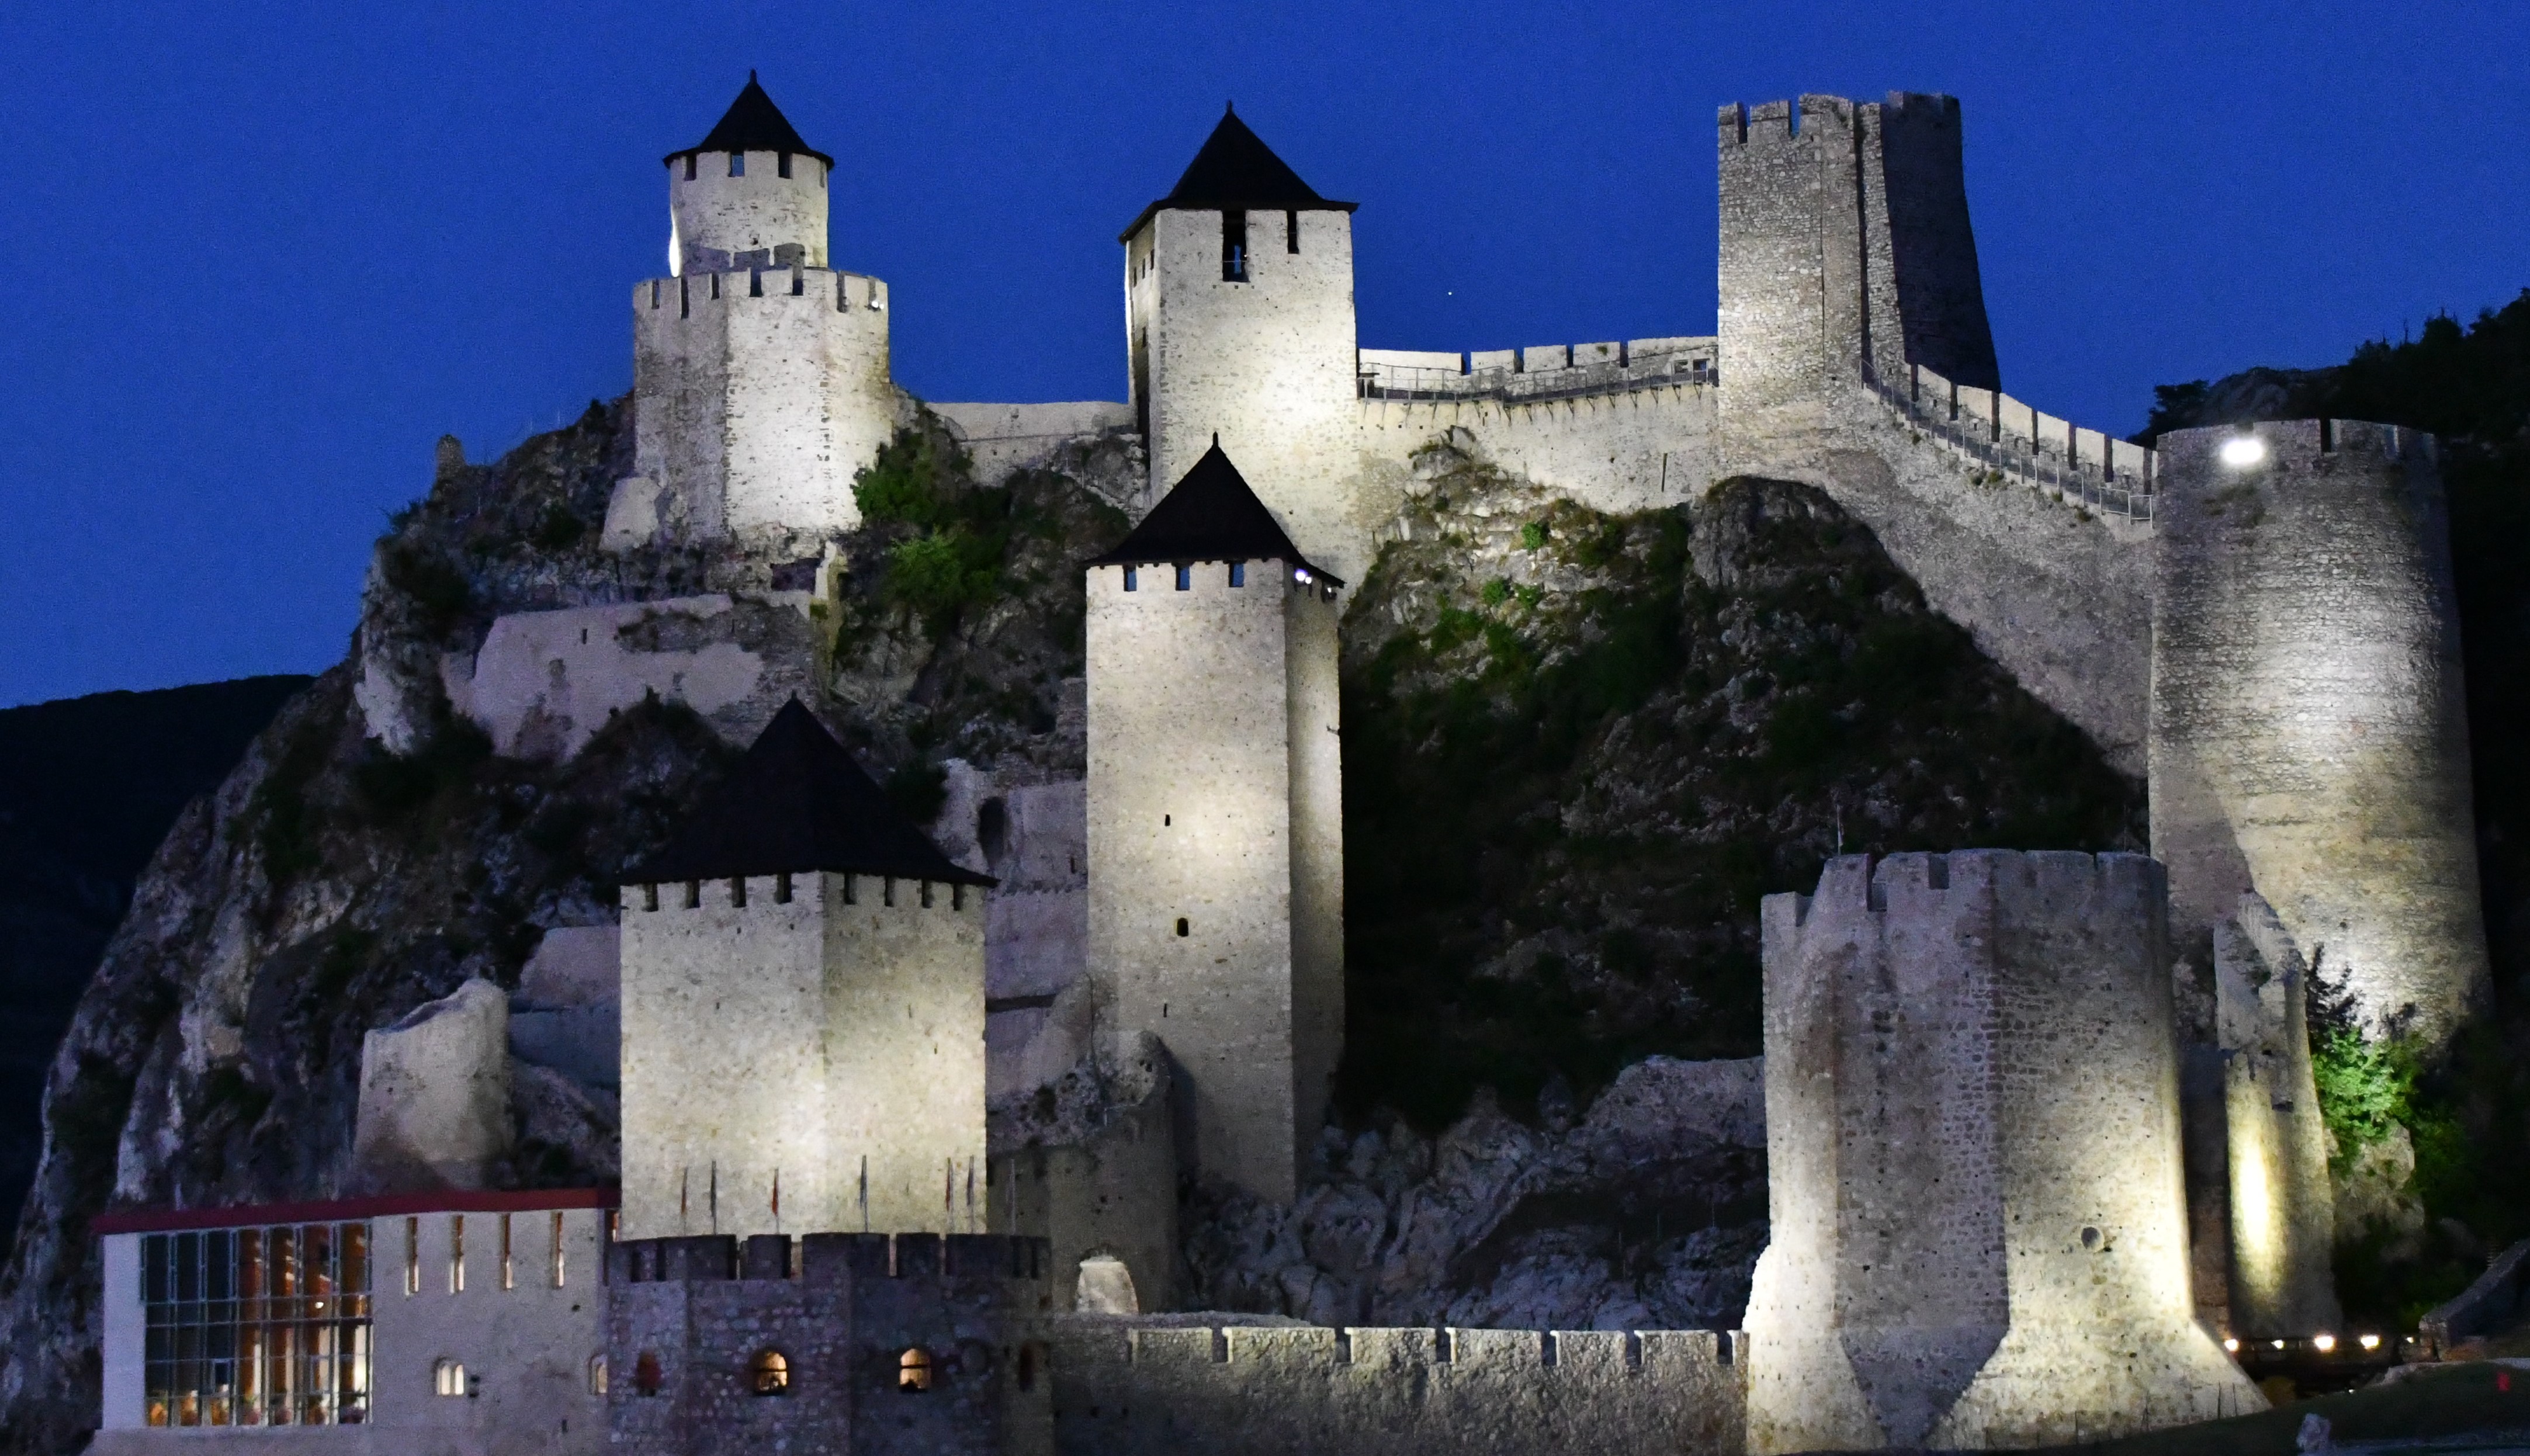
(1579, 749)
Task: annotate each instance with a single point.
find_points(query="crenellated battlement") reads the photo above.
(2041, 451)
(684, 293)
(1539, 372)
(1129, 1387)
(703, 1258)
(808, 889)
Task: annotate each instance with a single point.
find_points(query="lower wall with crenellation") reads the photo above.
(1125, 1387)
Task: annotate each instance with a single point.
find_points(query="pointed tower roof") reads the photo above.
(1236, 169)
(796, 802)
(1212, 514)
(754, 123)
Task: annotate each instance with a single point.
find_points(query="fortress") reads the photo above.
(2040, 1127)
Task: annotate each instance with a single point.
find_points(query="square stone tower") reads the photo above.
(760, 374)
(1979, 1238)
(803, 1011)
(1216, 820)
(1240, 322)
(1845, 255)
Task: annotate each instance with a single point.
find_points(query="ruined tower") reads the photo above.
(1216, 836)
(804, 1010)
(1977, 1240)
(1238, 320)
(1845, 255)
(760, 374)
(2309, 734)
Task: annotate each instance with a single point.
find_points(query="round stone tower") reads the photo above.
(751, 193)
(2309, 733)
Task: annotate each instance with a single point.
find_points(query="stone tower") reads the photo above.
(760, 374)
(1978, 1234)
(804, 1010)
(1845, 255)
(2309, 734)
(1240, 324)
(1216, 834)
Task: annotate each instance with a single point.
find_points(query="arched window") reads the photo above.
(1103, 1285)
(646, 1378)
(447, 1378)
(768, 1373)
(597, 1375)
(914, 1372)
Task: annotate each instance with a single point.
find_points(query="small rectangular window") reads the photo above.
(737, 164)
(1292, 231)
(1239, 574)
(509, 1271)
(1234, 247)
(781, 888)
(690, 159)
(1132, 581)
(557, 1249)
(413, 1256)
(1185, 578)
(649, 897)
(737, 892)
(693, 895)
(456, 1254)
(782, 164)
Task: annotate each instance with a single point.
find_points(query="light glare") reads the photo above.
(2324, 1342)
(2244, 451)
(2370, 1343)
(2232, 1346)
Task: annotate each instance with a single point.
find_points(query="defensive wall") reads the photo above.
(1124, 1388)
(2281, 1209)
(1979, 1237)
(884, 1345)
(2309, 727)
(856, 1002)
(1003, 439)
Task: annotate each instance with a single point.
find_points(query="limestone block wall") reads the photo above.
(1216, 849)
(1113, 1194)
(1125, 1387)
(1979, 1235)
(2309, 733)
(825, 1037)
(1637, 448)
(759, 207)
(1266, 363)
(543, 682)
(566, 1014)
(2282, 1233)
(757, 394)
(434, 1109)
(1002, 439)
(1033, 837)
(691, 1316)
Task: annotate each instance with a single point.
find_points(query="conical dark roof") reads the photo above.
(754, 123)
(1236, 169)
(1210, 515)
(796, 803)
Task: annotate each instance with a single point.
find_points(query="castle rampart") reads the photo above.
(1123, 1388)
(1977, 1242)
(2309, 733)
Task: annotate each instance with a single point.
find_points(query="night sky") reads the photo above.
(265, 255)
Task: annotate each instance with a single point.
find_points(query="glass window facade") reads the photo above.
(257, 1327)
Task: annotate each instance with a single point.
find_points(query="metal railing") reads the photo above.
(2098, 487)
(1513, 385)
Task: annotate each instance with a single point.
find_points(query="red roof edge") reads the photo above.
(389, 1205)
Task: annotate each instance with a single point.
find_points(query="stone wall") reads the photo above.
(1635, 448)
(2282, 1213)
(1978, 1234)
(1126, 1388)
(1215, 843)
(827, 1042)
(434, 1110)
(2308, 722)
(691, 1316)
(1001, 439)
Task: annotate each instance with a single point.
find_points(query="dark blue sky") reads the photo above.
(265, 255)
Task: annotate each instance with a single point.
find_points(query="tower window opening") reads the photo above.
(413, 1256)
(1181, 927)
(887, 891)
(693, 895)
(509, 1270)
(914, 1372)
(1234, 247)
(447, 1378)
(1185, 578)
(737, 892)
(691, 160)
(1291, 230)
(1133, 579)
(1239, 574)
(556, 1273)
(737, 164)
(597, 1375)
(782, 164)
(456, 1254)
(781, 888)
(769, 1373)
(649, 897)
(993, 831)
